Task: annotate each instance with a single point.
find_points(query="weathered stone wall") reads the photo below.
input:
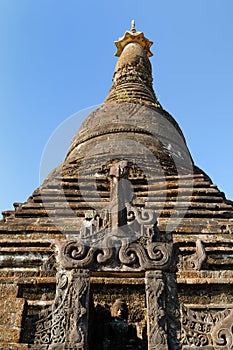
(190, 306)
(11, 314)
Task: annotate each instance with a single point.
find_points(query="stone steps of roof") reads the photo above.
(165, 212)
(51, 208)
(195, 225)
(193, 205)
(87, 186)
(179, 213)
(99, 178)
(182, 189)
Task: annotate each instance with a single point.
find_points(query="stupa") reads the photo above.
(127, 244)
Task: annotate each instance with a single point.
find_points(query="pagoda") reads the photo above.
(127, 244)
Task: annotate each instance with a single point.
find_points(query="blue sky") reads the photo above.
(57, 57)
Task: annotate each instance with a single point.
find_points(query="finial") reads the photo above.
(133, 30)
(133, 36)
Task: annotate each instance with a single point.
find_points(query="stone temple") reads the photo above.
(127, 244)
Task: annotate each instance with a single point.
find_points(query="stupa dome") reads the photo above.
(132, 110)
(127, 215)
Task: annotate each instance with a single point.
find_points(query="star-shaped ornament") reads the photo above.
(133, 36)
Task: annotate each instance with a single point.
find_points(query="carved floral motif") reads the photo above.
(156, 323)
(63, 324)
(172, 312)
(205, 330)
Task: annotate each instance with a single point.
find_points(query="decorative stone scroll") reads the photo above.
(65, 324)
(222, 332)
(120, 236)
(135, 224)
(194, 261)
(205, 330)
(123, 254)
(156, 321)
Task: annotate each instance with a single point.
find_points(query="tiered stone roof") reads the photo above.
(130, 124)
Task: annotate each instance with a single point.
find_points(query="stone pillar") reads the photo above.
(65, 325)
(77, 314)
(155, 301)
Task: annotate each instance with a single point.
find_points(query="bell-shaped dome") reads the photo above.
(131, 111)
(130, 133)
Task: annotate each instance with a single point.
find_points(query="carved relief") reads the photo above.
(119, 218)
(206, 330)
(196, 327)
(194, 261)
(134, 225)
(222, 332)
(172, 312)
(119, 334)
(117, 253)
(120, 236)
(156, 322)
(63, 324)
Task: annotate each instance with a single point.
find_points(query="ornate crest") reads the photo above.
(120, 236)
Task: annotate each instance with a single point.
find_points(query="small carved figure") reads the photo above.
(119, 334)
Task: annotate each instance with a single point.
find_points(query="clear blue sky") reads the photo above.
(57, 57)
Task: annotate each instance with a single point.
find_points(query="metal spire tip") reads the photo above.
(133, 30)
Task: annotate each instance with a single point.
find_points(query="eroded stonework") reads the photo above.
(64, 325)
(127, 219)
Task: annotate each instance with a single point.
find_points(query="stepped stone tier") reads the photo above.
(127, 244)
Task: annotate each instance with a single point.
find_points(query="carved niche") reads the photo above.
(119, 238)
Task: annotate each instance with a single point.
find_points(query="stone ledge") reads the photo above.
(10, 346)
(205, 277)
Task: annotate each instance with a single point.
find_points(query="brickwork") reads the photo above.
(179, 228)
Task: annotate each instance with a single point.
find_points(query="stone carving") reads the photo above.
(194, 261)
(172, 311)
(206, 330)
(138, 224)
(117, 253)
(49, 266)
(121, 235)
(195, 327)
(119, 334)
(120, 218)
(63, 325)
(156, 322)
(222, 332)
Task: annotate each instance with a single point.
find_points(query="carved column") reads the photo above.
(65, 325)
(77, 312)
(155, 301)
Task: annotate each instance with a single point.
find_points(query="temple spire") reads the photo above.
(133, 30)
(133, 36)
(132, 80)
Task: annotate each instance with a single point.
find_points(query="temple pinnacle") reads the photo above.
(133, 36)
(133, 30)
